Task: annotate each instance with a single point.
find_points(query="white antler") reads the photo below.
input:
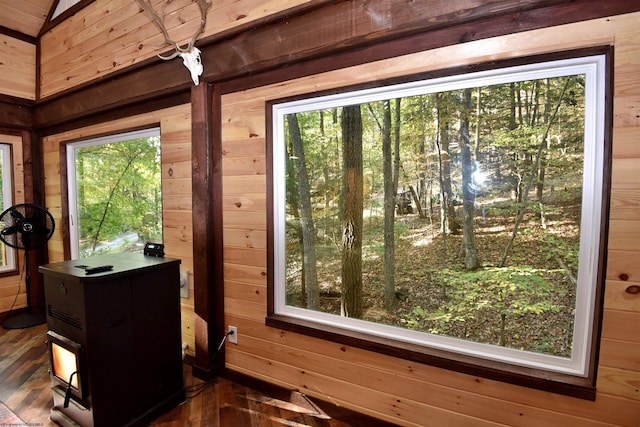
(190, 54)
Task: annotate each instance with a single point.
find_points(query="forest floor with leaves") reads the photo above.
(528, 304)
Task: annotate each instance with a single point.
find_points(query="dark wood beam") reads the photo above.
(153, 81)
(346, 26)
(207, 226)
(377, 28)
(133, 109)
(17, 35)
(33, 165)
(16, 112)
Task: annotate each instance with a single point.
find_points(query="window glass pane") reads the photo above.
(2, 177)
(7, 254)
(450, 212)
(118, 192)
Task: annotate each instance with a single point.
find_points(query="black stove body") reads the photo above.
(114, 339)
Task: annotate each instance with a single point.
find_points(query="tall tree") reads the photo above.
(515, 121)
(352, 188)
(468, 196)
(443, 101)
(390, 191)
(396, 144)
(292, 183)
(543, 159)
(324, 153)
(310, 276)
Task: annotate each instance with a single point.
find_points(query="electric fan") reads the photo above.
(26, 226)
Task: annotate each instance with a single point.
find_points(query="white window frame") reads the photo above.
(594, 68)
(71, 175)
(7, 198)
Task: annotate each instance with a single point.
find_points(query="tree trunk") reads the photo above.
(416, 200)
(512, 110)
(352, 187)
(310, 277)
(389, 209)
(443, 194)
(533, 120)
(468, 197)
(519, 104)
(396, 145)
(476, 144)
(445, 165)
(292, 184)
(327, 187)
(543, 159)
(542, 168)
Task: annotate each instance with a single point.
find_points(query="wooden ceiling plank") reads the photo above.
(25, 16)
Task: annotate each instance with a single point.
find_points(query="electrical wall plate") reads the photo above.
(233, 334)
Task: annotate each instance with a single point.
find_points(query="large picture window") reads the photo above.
(115, 193)
(458, 217)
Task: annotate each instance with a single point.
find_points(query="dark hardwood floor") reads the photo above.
(25, 389)
(24, 377)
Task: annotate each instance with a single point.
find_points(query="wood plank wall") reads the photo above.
(397, 390)
(12, 288)
(382, 386)
(17, 68)
(175, 136)
(109, 36)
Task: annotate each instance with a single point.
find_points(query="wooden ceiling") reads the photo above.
(24, 16)
(28, 17)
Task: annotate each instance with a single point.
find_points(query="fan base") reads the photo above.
(24, 320)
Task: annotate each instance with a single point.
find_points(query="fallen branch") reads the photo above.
(567, 271)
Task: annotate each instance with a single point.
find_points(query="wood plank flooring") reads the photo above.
(24, 377)
(24, 388)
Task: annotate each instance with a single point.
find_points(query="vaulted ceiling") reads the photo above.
(29, 16)
(24, 16)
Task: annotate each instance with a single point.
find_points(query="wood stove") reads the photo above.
(114, 339)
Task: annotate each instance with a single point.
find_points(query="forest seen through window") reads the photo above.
(454, 213)
(117, 194)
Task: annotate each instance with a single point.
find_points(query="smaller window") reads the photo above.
(8, 255)
(115, 193)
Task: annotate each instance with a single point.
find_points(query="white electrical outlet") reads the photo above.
(233, 334)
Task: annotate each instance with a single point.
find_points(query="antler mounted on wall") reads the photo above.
(190, 54)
